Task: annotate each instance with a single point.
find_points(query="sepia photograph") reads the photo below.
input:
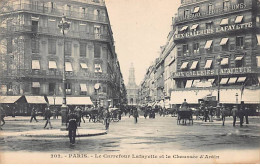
(129, 81)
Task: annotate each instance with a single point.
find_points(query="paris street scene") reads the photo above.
(133, 82)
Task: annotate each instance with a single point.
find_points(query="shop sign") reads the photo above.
(225, 71)
(212, 31)
(213, 12)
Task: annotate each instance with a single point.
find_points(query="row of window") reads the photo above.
(240, 42)
(226, 4)
(68, 66)
(52, 48)
(208, 65)
(209, 25)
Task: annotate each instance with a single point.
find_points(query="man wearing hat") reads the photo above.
(72, 121)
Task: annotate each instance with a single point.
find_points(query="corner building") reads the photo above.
(217, 37)
(32, 50)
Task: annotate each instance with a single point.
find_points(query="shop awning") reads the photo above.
(68, 67)
(239, 58)
(224, 61)
(194, 65)
(232, 80)
(208, 44)
(239, 19)
(196, 9)
(228, 96)
(184, 65)
(52, 65)
(208, 64)
(188, 84)
(258, 38)
(54, 100)
(223, 81)
(184, 28)
(195, 82)
(224, 22)
(194, 26)
(202, 84)
(36, 65)
(79, 101)
(211, 80)
(35, 100)
(83, 87)
(258, 61)
(8, 99)
(241, 79)
(223, 41)
(251, 96)
(192, 97)
(83, 65)
(36, 84)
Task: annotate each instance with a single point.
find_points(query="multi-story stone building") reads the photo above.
(217, 43)
(33, 50)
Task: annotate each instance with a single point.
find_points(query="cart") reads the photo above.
(183, 115)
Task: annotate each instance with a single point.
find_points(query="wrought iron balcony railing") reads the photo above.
(52, 31)
(53, 11)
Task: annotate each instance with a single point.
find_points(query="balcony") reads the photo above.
(53, 11)
(219, 11)
(52, 31)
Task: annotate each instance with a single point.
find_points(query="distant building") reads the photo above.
(132, 88)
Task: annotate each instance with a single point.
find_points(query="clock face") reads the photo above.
(97, 86)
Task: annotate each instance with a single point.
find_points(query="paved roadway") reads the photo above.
(158, 135)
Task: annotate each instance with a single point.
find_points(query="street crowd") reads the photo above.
(75, 114)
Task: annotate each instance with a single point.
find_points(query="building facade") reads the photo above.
(217, 45)
(33, 51)
(132, 88)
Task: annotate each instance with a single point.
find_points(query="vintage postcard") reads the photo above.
(129, 81)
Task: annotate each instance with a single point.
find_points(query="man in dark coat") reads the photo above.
(72, 121)
(33, 114)
(107, 117)
(234, 113)
(135, 114)
(47, 115)
(2, 115)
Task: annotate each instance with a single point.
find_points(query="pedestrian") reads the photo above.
(47, 115)
(185, 105)
(33, 114)
(2, 115)
(241, 113)
(79, 113)
(72, 120)
(210, 108)
(223, 114)
(247, 110)
(234, 113)
(107, 117)
(136, 115)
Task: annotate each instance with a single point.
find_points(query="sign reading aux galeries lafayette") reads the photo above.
(225, 71)
(212, 31)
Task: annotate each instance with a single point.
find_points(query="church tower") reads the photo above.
(132, 88)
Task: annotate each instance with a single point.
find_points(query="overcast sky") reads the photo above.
(139, 28)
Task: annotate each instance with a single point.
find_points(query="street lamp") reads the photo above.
(237, 98)
(64, 26)
(97, 87)
(219, 68)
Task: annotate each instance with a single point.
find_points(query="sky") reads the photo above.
(139, 28)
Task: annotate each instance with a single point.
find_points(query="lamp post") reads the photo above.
(237, 98)
(219, 68)
(97, 87)
(64, 26)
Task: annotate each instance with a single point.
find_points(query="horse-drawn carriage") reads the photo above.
(115, 114)
(184, 114)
